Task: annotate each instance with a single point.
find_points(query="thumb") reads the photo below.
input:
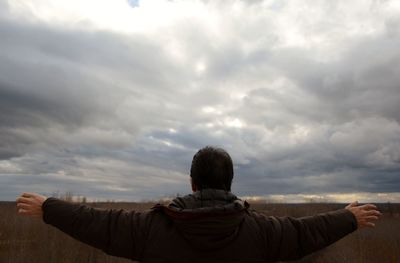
(353, 204)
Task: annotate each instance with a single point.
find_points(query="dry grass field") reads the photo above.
(25, 240)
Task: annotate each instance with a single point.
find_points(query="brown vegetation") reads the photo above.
(28, 240)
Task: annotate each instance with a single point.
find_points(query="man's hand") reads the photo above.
(364, 214)
(30, 204)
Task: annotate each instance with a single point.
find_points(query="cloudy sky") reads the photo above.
(111, 99)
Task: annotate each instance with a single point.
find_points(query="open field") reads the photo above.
(27, 240)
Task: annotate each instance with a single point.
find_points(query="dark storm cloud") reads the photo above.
(73, 100)
(351, 105)
(363, 83)
(59, 81)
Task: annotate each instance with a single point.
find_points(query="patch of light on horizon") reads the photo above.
(118, 188)
(362, 197)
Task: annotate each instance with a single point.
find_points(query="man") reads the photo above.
(210, 225)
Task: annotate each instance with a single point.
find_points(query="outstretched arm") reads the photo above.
(297, 237)
(116, 232)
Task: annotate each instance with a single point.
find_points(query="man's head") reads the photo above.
(211, 168)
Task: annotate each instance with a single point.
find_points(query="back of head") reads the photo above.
(212, 168)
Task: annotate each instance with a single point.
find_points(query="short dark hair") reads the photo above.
(212, 167)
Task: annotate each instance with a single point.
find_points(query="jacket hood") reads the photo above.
(208, 219)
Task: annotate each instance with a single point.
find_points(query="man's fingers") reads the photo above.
(26, 212)
(23, 205)
(353, 204)
(371, 218)
(28, 194)
(372, 213)
(23, 211)
(369, 224)
(368, 207)
(23, 200)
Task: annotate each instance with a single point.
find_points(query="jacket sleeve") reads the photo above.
(293, 238)
(116, 232)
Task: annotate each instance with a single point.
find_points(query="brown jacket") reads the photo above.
(207, 226)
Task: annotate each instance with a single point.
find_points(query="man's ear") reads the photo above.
(194, 188)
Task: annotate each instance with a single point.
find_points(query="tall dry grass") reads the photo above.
(25, 240)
